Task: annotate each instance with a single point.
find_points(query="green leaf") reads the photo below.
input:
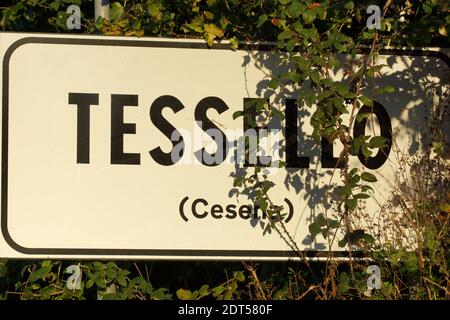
(302, 63)
(262, 18)
(366, 101)
(234, 43)
(274, 83)
(378, 142)
(362, 116)
(89, 283)
(239, 276)
(389, 89)
(54, 5)
(154, 9)
(351, 203)
(368, 238)
(309, 16)
(38, 274)
(349, 5)
(111, 273)
(184, 294)
(427, 8)
(295, 9)
(109, 296)
(315, 76)
(366, 176)
(218, 290)
(286, 34)
(342, 89)
(365, 151)
(203, 290)
(263, 204)
(116, 12)
(290, 45)
(195, 26)
(342, 242)
(121, 280)
(209, 37)
(297, 27)
(101, 283)
(213, 29)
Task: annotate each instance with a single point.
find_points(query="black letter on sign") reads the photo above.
(118, 129)
(385, 130)
(327, 158)
(250, 129)
(202, 155)
(163, 158)
(83, 102)
(292, 159)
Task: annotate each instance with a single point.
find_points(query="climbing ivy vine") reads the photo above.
(312, 37)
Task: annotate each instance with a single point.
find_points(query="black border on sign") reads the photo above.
(145, 252)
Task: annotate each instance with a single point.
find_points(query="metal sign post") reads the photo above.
(102, 9)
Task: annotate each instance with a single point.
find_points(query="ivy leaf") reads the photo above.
(262, 18)
(184, 294)
(427, 8)
(38, 274)
(366, 101)
(273, 83)
(121, 279)
(290, 45)
(116, 12)
(349, 5)
(315, 76)
(389, 89)
(286, 34)
(234, 43)
(361, 116)
(239, 276)
(209, 37)
(218, 290)
(341, 89)
(302, 63)
(154, 9)
(366, 176)
(365, 151)
(378, 142)
(295, 9)
(351, 203)
(213, 29)
(309, 16)
(55, 5)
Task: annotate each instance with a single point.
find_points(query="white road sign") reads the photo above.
(108, 150)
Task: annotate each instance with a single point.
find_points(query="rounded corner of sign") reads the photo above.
(11, 242)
